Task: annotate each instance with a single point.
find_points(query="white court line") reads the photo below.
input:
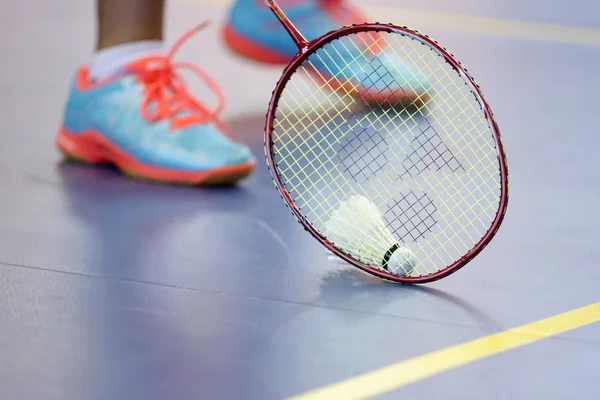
(557, 33)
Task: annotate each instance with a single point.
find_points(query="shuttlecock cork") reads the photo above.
(357, 228)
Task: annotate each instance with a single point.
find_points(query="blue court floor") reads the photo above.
(112, 289)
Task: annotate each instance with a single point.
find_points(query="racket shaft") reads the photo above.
(300, 41)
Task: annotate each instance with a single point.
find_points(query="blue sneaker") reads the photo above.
(252, 30)
(376, 75)
(146, 123)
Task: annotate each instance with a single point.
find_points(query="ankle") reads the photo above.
(112, 60)
(118, 38)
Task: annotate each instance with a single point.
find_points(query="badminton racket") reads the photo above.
(385, 150)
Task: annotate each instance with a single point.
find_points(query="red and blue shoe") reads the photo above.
(146, 123)
(252, 30)
(379, 75)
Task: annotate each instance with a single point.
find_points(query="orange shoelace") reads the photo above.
(166, 94)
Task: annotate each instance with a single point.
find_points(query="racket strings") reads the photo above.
(305, 127)
(431, 170)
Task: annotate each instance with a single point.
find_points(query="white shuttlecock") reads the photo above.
(357, 228)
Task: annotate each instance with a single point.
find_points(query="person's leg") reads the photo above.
(129, 21)
(127, 30)
(129, 108)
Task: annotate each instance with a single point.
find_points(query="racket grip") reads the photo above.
(300, 40)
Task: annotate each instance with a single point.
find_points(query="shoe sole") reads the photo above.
(92, 148)
(248, 49)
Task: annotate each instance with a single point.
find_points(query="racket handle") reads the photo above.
(300, 41)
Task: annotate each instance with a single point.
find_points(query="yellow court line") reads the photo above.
(486, 26)
(395, 376)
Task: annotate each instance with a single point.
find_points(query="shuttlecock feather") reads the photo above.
(357, 228)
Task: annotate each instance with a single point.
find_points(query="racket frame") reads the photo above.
(306, 49)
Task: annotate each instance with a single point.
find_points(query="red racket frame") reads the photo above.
(306, 50)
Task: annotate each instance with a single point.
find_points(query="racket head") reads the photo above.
(418, 102)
